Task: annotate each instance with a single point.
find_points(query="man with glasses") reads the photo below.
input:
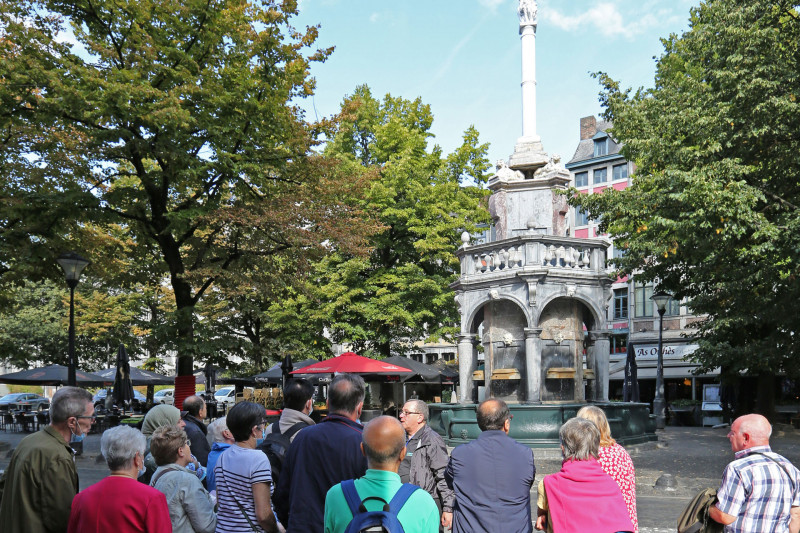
(492, 477)
(37, 489)
(426, 458)
(760, 489)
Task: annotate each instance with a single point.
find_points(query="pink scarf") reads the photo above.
(582, 497)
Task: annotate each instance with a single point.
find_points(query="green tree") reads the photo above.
(176, 123)
(712, 214)
(399, 293)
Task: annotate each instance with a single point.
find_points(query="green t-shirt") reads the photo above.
(419, 514)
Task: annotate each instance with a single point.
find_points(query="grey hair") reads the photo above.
(215, 430)
(580, 439)
(120, 444)
(68, 402)
(421, 408)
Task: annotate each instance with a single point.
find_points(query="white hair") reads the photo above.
(119, 446)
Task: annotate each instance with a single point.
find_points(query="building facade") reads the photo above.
(596, 166)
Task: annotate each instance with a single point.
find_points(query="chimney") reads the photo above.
(588, 127)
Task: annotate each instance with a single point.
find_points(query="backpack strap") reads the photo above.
(351, 495)
(401, 497)
(294, 429)
(276, 428)
(791, 481)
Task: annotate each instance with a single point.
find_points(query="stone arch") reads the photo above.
(597, 316)
(475, 314)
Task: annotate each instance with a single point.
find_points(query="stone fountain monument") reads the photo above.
(533, 299)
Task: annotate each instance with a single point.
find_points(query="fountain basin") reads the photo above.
(537, 425)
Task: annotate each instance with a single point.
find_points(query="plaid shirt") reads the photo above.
(758, 492)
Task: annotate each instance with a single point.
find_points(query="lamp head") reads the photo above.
(73, 265)
(661, 299)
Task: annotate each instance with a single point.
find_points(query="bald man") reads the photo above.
(760, 489)
(383, 444)
(492, 477)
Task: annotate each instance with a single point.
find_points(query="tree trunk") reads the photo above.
(765, 399)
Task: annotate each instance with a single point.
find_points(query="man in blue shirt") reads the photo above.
(760, 489)
(322, 456)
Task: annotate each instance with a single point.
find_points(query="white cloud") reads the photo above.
(605, 18)
(491, 4)
(374, 17)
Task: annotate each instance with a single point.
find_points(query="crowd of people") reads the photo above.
(241, 475)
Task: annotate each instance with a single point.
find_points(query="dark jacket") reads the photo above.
(427, 467)
(197, 431)
(39, 484)
(491, 477)
(319, 457)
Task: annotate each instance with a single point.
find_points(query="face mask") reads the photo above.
(77, 437)
(142, 470)
(263, 436)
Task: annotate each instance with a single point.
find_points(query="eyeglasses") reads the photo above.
(188, 443)
(406, 413)
(92, 418)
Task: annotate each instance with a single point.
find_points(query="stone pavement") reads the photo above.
(693, 457)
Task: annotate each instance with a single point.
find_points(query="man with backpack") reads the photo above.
(357, 505)
(297, 406)
(760, 489)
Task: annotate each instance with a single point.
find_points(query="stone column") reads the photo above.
(602, 348)
(533, 364)
(466, 366)
(527, 30)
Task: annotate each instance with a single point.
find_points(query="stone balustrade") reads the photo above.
(533, 252)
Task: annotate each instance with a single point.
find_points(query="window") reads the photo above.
(620, 303)
(581, 179)
(641, 297)
(581, 217)
(600, 147)
(600, 175)
(673, 307)
(619, 172)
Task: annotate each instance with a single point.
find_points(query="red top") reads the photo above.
(616, 462)
(582, 497)
(120, 505)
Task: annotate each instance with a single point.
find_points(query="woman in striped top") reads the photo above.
(243, 476)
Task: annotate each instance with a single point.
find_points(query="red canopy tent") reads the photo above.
(352, 363)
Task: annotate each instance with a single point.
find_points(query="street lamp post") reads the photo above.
(73, 265)
(659, 403)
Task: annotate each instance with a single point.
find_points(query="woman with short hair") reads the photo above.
(190, 507)
(119, 503)
(615, 461)
(581, 497)
(243, 475)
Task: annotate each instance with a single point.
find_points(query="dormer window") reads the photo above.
(601, 147)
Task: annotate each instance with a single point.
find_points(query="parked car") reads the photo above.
(36, 401)
(226, 395)
(166, 396)
(99, 398)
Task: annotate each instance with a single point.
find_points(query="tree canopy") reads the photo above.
(712, 213)
(173, 123)
(424, 200)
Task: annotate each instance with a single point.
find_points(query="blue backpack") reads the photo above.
(376, 521)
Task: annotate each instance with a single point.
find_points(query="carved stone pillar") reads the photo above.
(601, 351)
(533, 364)
(466, 366)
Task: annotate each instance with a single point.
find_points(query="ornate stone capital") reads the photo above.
(527, 13)
(533, 333)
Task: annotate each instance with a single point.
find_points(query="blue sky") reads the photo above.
(463, 58)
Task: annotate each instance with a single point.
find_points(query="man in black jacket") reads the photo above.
(194, 412)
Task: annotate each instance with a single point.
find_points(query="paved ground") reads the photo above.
(694, 457)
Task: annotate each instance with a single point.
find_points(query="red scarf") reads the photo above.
(582, 497)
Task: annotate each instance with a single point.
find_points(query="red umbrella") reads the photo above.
(353, 364)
